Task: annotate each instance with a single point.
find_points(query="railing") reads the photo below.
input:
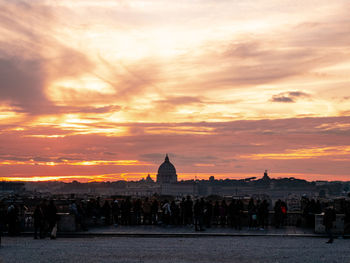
(67, 222)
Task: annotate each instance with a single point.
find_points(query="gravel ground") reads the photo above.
(219, 249)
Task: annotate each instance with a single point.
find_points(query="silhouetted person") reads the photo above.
(182, 211)
(216, 212)
(137, 211)
(175, 213)
(52, 219)
(115, 212)
(188, 211)
(126, 211)
(328, 219)
(308, 216)
(44, 208)
(82, 214)
(106, 212)
(166, 212)
(96, 209)
(239, 214)
(208, 213)
(22, 212)
(347, 218)
(231, 212)
(252, 213)
(123, 215)
(284, 210)
(12, 219)
(146, 209)
(223, 213)
(263, 214)
(154, 211)
(278, 213)
(2, 218)
(198, 210)
(89, 208)
(74, 210)
(38, 217)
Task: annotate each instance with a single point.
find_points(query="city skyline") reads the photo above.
(102, 90)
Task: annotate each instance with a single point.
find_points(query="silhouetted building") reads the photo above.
(166, 172)
(149, 179)
(266, 177)
(12, 187)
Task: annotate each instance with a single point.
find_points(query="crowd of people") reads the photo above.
(310, 208)
(200, 213)
(45, 220)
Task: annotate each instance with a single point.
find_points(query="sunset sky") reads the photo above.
(102, 89)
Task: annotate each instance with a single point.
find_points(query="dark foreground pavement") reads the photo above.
(154, 250)
(185, 231)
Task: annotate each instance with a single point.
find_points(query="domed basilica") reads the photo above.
(166, 172)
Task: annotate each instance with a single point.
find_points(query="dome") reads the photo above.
(167, 167)
(166, 172)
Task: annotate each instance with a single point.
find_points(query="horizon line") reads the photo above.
(134, 177)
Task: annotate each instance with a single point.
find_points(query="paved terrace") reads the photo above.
(153, 244)
(186, 231)
(177, 250)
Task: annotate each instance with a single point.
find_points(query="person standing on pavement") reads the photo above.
(146, 209)
(38, 222)
(166, 212)
(328, 219)
(106, 212)
(12, 219)
(263, 214)
(188, 211)
(115, 212)
(198, 211)
(278, 213)
(208, 213)
(52, 219)
(154, 211)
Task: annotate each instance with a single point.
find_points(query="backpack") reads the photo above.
(283, 209)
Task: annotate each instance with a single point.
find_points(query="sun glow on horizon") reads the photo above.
(187, 176)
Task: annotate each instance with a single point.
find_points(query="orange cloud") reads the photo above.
(82, 163)
(204, 164)
(305, 153)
